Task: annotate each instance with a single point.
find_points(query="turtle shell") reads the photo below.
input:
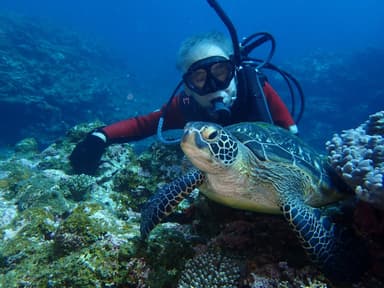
(272, 143)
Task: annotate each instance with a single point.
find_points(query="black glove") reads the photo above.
(85, 158)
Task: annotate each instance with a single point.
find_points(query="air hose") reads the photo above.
(244, 63)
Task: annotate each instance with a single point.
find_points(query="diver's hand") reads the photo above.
(85, 158)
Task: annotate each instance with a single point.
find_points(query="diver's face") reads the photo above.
(227, 95)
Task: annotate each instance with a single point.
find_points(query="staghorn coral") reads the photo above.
(358, 156)
(78, 186)
(210, 269)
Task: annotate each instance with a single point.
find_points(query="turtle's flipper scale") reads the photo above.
(335, 249)
(166, 198)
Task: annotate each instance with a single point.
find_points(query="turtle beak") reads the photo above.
(187, 132)
(191, 136)
(185, 136)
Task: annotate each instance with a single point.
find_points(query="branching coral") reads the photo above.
(77, 185)
(358, 156)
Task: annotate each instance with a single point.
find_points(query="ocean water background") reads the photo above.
(82, 230)
(147, 34)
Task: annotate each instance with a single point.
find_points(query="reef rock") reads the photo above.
(56, 78)
(59, 229)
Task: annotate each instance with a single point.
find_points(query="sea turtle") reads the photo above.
(261, 167)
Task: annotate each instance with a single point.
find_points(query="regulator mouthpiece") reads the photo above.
(220, 112)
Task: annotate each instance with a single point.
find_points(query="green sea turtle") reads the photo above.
(261, 167)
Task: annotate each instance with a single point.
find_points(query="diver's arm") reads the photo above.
(140, 127)
(279, 111)
(85, 157)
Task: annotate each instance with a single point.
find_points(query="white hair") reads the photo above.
(194, 44)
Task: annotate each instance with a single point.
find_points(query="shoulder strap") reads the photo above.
(251, 102)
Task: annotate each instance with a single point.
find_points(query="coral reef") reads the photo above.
(59, 229)
(358, 156)
(56, 78)
(78, 186)
(283, 276)
(338, 96)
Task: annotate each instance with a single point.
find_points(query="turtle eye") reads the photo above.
(213, 135)
(210, 133)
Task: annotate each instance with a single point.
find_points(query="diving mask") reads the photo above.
(209, 75)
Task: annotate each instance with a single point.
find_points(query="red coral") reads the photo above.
(237, 235)
(370, 223)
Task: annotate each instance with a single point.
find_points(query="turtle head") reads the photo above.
(209, 146)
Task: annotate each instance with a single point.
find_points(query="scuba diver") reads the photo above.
(210, 94)
(221, 84)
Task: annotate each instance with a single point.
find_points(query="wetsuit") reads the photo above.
(184, 108)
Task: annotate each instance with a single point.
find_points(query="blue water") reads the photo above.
(148, 33)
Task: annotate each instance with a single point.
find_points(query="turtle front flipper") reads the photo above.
(166, 198)
(338, 252)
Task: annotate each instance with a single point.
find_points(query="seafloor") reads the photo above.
(59, 229)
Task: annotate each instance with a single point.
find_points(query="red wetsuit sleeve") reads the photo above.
(279, 111)
(140, 127)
